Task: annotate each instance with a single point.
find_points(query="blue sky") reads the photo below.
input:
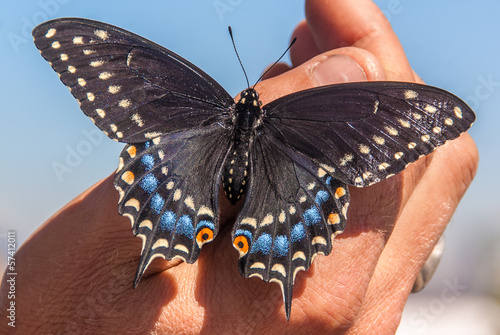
(452, 44)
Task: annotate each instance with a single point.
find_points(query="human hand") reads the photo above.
(75, 272)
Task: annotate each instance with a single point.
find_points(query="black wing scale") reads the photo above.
(303, 149)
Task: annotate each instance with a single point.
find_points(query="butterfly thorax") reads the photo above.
(236, 168)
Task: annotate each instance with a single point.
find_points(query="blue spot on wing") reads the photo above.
(148, 161)
(205, 223)
(149, 183)
(321, 197)
(157, 203)
(312, 216)
(280, 246)
(298, 232)
(167, 221)
(328, 180)
(185, 226)
(263, 244)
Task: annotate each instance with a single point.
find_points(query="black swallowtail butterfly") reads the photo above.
(293, 157)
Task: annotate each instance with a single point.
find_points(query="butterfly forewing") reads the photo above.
(133, 89)
(368, 131)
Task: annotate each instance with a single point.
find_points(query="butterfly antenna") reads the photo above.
(237, 55)
(269, 68)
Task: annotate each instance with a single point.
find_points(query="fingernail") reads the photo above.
(338, 69)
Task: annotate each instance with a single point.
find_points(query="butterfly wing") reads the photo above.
(369, 131)
(173, 117)
(169, 189)
(311, 145)
(292, 212)
(133, 89)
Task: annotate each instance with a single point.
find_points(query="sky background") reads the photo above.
(452, 44)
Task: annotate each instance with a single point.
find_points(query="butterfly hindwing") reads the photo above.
(133, 89)
(169, 189)
(368, 131)
(292, 211)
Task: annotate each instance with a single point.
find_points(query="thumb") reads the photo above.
(336, 66)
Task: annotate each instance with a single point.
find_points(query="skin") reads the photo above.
(75, 272)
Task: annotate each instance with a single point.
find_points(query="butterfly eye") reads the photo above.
(205, 235)
(241, 244)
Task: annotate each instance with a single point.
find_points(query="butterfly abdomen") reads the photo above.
(236, 169)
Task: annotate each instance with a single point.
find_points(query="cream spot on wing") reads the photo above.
(189, 202)
(346, 159)
(113, 127)
(64, 57)
(102, 34)
(448, 122)
(430, 108)
(458, 112)
(436, 130)
(364, 149)
(113, 89)
(170, 185)
(249, 221)
(133, 203)
(100, 112)
(391, 130)
(164, 170)
(318, 240)
(119, 134)
(51, 32)
(137, 119)
(182, 248)
(124, 103)
(258, 265)
(410, 94)
(292, 210)
(412, 145)
(81, 82)
(204, 210)
(78, 40)
(96, 63)
(398, 155)
(146, 224)
(56, 45)
(282, 217)
(268, 219)
(379, 140)
(310, 186)
(152, 134)
(90, 96)
(104, 75)
(299, 255)
(87, 52)
(177, 194)
(279, 268)
(383, 166)
(156, 140)
(425, 138)
(71, 69)
(417, 116)
(328, 168)
(161, 243)
(404, 123)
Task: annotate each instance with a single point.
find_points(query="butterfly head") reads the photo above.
(250, 97)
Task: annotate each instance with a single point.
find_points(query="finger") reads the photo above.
(359, 23)
(422, 222)
(305, 47)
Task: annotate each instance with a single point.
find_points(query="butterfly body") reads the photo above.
(236, 168)
(293, 158)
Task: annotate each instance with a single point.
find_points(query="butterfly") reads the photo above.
(291, 159)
